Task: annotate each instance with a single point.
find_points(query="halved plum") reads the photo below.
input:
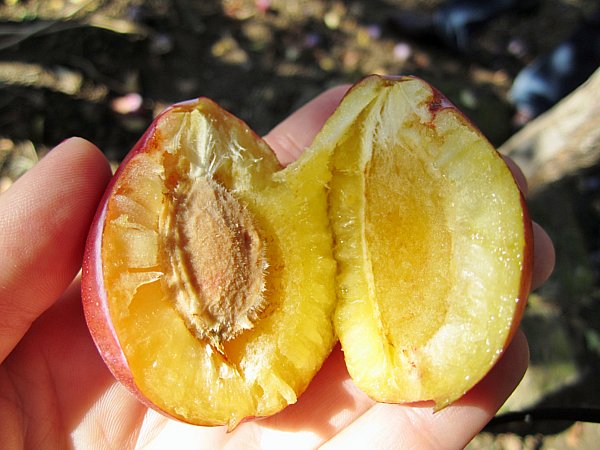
(215, 280)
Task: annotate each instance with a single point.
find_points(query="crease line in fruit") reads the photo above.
(406, 355)
(379, 104)
(388, 347)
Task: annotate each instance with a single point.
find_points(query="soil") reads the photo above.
(103, 69)
(64, 62)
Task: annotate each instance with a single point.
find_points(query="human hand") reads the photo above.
(56, 392)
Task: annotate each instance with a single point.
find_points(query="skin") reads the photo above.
(55, 391)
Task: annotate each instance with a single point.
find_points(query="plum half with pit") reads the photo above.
(208, 279)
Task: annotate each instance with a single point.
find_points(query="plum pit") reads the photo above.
(216, 260)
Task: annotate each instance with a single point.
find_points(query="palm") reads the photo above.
(56, 392)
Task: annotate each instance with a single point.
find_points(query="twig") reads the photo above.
(555, 414)
(28, 32)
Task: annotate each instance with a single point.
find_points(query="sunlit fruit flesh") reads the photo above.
(214, 278)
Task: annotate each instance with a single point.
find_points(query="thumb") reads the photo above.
(44, 219)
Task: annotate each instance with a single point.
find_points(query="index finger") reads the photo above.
(289, 139)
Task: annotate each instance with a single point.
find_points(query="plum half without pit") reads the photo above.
(216, 282)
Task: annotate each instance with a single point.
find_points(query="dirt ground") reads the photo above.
(63, 63)
(103, 69)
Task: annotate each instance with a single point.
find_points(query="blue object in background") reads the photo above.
(454, 20)
(549, 78)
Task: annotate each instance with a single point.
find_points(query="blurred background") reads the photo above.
(103, 69)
